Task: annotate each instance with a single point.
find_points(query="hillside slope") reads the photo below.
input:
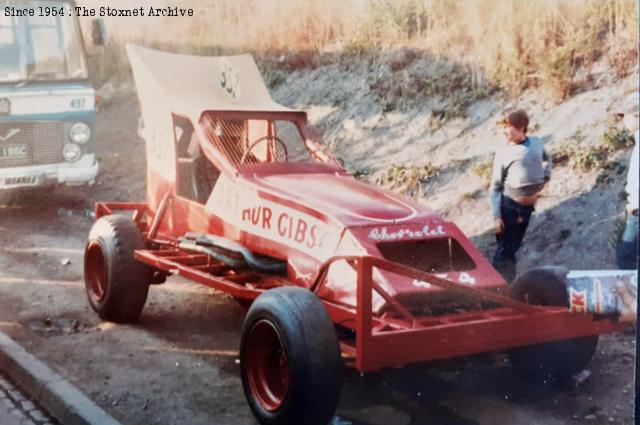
(576, 217)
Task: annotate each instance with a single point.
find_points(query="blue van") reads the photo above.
(47, 104)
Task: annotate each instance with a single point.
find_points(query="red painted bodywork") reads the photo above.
(328, 226)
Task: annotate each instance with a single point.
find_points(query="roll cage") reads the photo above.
(229, 139)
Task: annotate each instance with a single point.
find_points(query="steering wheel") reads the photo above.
(283, 147)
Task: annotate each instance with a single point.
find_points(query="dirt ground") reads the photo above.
(179, 364)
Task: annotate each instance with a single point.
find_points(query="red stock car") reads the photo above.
(242, 197)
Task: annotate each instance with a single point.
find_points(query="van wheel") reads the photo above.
(117, 285)
(290, 359)
(552, 361)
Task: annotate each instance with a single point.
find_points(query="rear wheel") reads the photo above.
(290, 359)
(116, 283)
(552, 360)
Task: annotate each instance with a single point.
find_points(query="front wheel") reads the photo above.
(290, 359)
(116, 283)
(552, 360)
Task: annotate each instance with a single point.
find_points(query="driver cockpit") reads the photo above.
(255, 141)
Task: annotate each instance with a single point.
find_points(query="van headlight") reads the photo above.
(80, 133)
(71, 152)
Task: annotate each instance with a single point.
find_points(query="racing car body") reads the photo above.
(243, 197)
(299, 205)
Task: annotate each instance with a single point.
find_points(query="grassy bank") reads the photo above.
(509, 44)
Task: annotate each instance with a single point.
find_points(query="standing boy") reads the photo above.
(520, 171)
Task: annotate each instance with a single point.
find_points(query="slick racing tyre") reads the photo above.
(117, 285)
(290, 359)
(552, 361)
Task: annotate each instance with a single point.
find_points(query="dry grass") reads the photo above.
(514, 43)
(511, 45)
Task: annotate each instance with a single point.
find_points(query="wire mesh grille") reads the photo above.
(43, 140)
(256, 141)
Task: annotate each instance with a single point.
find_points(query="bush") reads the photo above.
(407, 179)
(406, 80)
(484, 170)
(563, 153)
(616, 138)
(592, 157)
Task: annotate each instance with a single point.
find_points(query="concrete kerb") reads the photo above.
(54, 393)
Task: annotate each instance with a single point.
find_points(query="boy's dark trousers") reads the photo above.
(516, 219)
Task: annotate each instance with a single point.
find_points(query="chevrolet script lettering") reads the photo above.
(426, 231)
(5, 106)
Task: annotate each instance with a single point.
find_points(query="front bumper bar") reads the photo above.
(82, 171)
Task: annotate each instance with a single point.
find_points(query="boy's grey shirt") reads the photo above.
(520, 168)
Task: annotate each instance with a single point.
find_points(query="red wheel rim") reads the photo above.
(267, 370)
(95, 272)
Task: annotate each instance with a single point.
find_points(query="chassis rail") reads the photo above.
(384, 340)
